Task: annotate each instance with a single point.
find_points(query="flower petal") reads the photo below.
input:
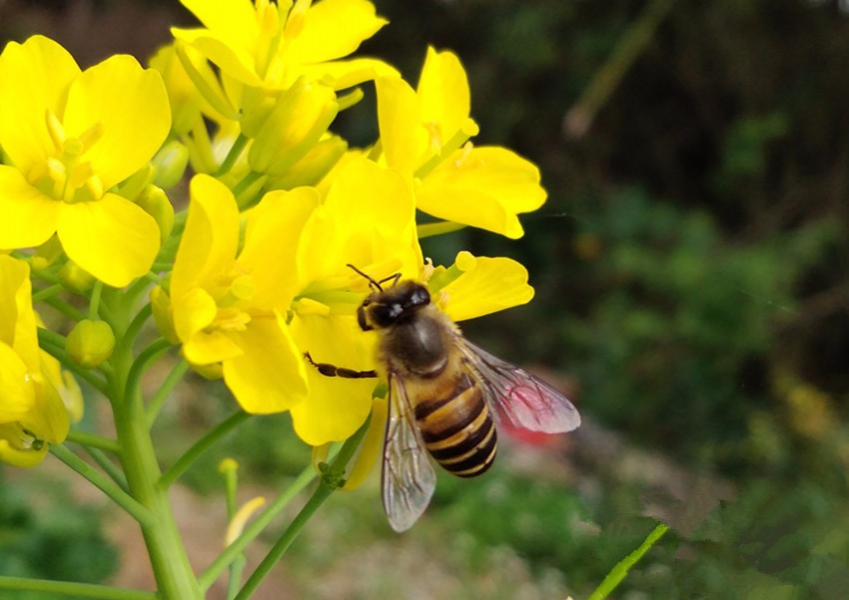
(29, 217)
(333, 29)
(487, 285)
(444, 93)
(402, 135)
(18, 397)
(367, 217)
(336, 407)
(345, 73)
(207, 348)
(193, 312)
(112, 238)
(483, 187)
(34, 79)
(234, 60)
(210, 238)
(131, 104)
(270, 376)
(17, 318)
(271, 242)
(235, 18)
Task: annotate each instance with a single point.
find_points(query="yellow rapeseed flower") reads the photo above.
(228, 306)
(32, 412)
(269, 45)
(71, 136)
(425, 132)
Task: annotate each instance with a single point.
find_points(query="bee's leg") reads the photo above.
(329, 370)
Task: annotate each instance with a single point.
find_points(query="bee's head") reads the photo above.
(388, 306)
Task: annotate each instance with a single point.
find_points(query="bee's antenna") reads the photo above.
(371, 281)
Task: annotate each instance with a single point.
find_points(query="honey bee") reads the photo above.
(445, 396)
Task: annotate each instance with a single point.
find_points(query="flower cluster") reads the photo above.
(254, 273)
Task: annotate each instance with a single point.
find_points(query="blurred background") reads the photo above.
(692, 277)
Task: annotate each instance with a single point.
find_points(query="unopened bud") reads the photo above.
(313, 167)
(160, 303)
(170, 164)
(75, 278)
(299, 119)
(155, 203)
(90, 343)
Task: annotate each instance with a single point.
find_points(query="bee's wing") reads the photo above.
(516, 396)
(408, 478)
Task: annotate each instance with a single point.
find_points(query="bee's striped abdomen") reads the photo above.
(457, 429)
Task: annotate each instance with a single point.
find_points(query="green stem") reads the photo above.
(95, 300)
(47, 292)
(169, 562)
(439, 228)
(108, 467)
(146, 356)
(121, 498)
(233, 155)
(237, 567)
(236, 570)
(606, 79)
(618, 573)
(245, 185)
(83, 438)
(65, 308)
(70, 588)
(154, 405)
(331, 480)
(257, 526)
(201, 446)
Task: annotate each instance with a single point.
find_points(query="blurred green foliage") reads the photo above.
(45, 533)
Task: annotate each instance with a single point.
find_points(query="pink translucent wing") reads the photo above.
(516, 396)
(408, 477)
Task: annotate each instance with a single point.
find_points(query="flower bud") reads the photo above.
(74, 278)
(90, 343)
(300, 117)
(170, 164)
(155, 203)
(160, 302)
(45, 254)
(313, 167)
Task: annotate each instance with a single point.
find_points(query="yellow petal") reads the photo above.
(444, 93)
(345, 73)
(488, 285)
(271, 242)
(402, 135)
(112, 238)
(130, 104)
(18, 391)
(210, 238)
(483, 187)
(333, 29)
(233, 59)
(367, 217)
(12, 454)
(34, 78)
(270, 376)
(29, 217)
(17, 318)
(336, 407)
(193, 312)
(371, 447)
(210, 348)
(235, 18)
